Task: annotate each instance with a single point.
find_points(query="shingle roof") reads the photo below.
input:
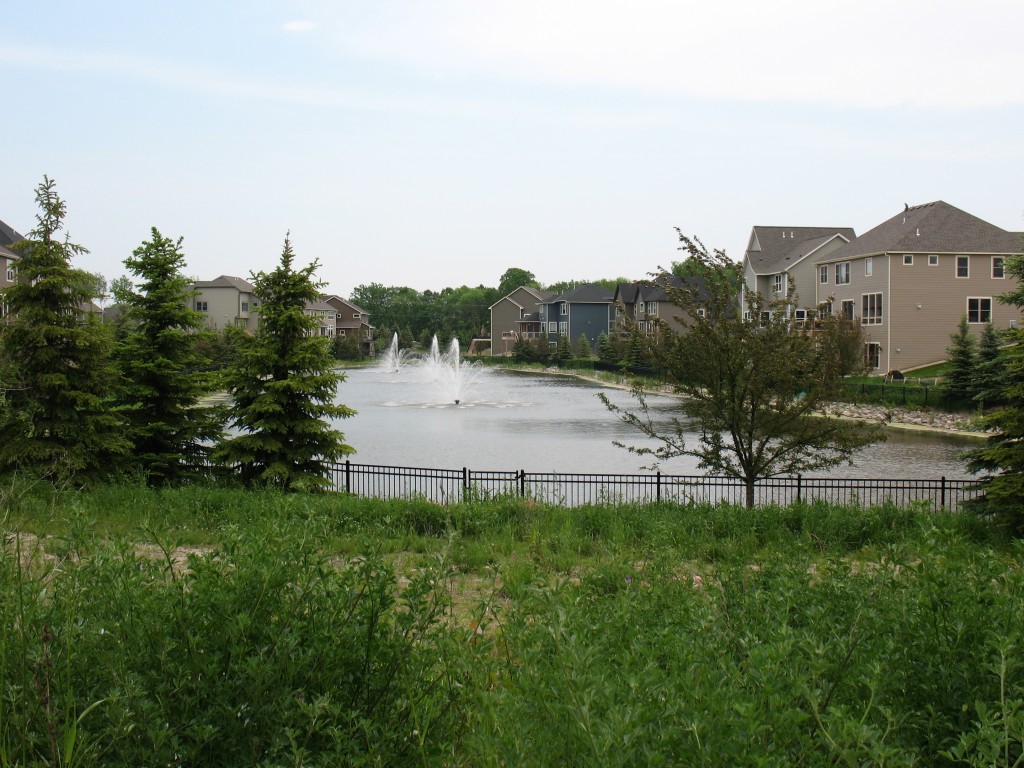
(936, 227)
(782, 247)
(8, 236)
(584, 294)
(227, 281)
(328, 297)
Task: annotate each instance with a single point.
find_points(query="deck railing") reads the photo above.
(455, 485)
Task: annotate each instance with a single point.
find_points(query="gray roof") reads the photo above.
(584, 294)
(226, 281)
(9, 236)
(782, 247)
(321, 304)
(328, 297)
(537, 293)
(630, 293)
(936, 227)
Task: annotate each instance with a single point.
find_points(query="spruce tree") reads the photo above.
(606, 348)
(960, 379)
(61, 421)
(990, 368)
(162, 367)
(563, 350)
(1002, 456)
(283, 389)
(583, 350)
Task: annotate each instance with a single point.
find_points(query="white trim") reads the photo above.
(1002, 268)
(956, 267)
(979, 321)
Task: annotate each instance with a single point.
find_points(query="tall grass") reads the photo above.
(326, 630)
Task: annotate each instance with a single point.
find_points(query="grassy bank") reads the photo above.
(223, 627)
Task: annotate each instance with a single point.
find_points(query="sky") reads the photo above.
(436, 143)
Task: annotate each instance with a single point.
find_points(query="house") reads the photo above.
(8, 257)
(647, 303)
(226, 301)
(583, 311)
(910, 280)
(514, 317)
(352, 322)
(326, 317)
(778, 256)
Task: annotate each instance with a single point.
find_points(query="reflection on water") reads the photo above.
(542, 423)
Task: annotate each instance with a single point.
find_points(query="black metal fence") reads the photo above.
(446, 486)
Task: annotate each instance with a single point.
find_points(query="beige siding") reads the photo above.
(504, 315)
(224, 308)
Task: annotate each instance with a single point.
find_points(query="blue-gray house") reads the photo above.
(584, 311)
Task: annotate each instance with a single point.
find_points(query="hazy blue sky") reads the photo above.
(437, 143)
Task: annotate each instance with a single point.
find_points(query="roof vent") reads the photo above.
(918, 232)
(783, 234)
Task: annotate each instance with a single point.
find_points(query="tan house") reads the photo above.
(777, 255)
(910, 280)
(7, 260)
(352, 322)
(515, 317)
(226, 301)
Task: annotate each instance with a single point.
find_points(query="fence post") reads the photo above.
(348, 476)
(522, 482)
(943, 491)
(659, 485)
(799, 484)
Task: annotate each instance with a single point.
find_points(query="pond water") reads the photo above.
(508, 420)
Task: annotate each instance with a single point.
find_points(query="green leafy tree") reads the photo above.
(513, 278)
(346, 348)
(283, 389)
(990, 369)
(162, 367)
(756, 396)
(61, 420)
(1002, 456)
(583, 350)
(960, 380)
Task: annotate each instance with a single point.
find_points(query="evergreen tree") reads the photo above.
(61, 422)
(583, 350)
(523, 351)
(161, 365)
(283, 389)
(605, 350)
(636, 353)
(1002, 456)
(990, 369)
(563, 350)
(960, 379)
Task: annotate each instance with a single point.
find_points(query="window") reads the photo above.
(997, 267)
(979, 310)
(552, 327)
(846, 309)
(823, 273)
(871, 309)
(245, 306)
(341, 332)
(873, 355)
(868, 266)
(355, 315)
(777, 284)
(843, 273)
(963, 266)
(652, 308)
(933, 260)
(202, 306)
(800, 314)
(908, 259)
(701, 313)
(10, 274)
(563, 308)
(563, 328)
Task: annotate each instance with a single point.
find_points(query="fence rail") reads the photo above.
(447, 486)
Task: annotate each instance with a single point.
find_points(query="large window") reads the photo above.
(871, 309)
(652, 308)
(963, 266)
(843, 273)
(997, 267)
(979, 310)
(846, 309)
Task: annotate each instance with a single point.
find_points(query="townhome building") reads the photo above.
(583, 311)
(647, 304)
(516, 316)
(352, 322)
(909, 281)
(8, 258)
(783, 259)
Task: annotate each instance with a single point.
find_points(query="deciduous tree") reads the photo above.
(756, 394)
(162, 367)
(283, 389)
(61, 419)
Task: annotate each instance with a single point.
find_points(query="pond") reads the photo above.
(510, 420)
